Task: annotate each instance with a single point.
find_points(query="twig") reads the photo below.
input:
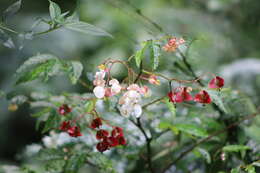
(183, 154)
(148, 139)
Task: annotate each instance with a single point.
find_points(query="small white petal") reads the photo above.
(137, 112)
(113, 82)
(99, 92)
(116, 88)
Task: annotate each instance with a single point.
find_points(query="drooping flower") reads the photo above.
(102, 146)
(180, 96)
(65, 125)
(121, 140)
(202, 97)
(112, 141)
(115, 86)
(117, 131)
(74, 131)
(64, 109)
(101, 134)
(216, 82)
(96, 123)
(99, 92)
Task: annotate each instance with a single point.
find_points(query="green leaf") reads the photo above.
(235, 170)
(235, 148)
(139, 55)
(85, 28)
(155, 54)
(250, 169)
(19, 99)
(52, 122)
(167, 125)
(54, 9)
(192, 129)
(90, 105)
(171, 106)
(6, 40)
(35, 60)
(205, 154)
(75, 162)
(217, 99)
(50, 154)
(12, 10)
(75, 71)
(44, 70)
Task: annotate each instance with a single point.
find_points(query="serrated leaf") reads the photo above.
(54, 10)
(85, 28)
(44, 71)
(171, 106)
(205, 154)
(12, 10)
(50, 154)
(75, 162)
(192, 129)
(235, 148)
(75, 71)
(35, 60)
(41, 113)
(139, 55)
(155, 54)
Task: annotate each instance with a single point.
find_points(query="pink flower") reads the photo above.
(202, 97)
(216, 82)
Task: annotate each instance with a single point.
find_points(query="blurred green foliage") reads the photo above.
(224, 37)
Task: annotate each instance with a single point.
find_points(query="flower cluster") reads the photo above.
(131, 99)
(73, 131)
(101, 90)
(182, 94)
(107, 141)
(173, 44)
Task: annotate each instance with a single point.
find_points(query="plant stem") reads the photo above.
(148, 140)
(8, 29)
(183, 154)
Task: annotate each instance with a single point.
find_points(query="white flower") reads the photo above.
(137, 111)
(115, 86)
(99, 92)
(100, 74)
